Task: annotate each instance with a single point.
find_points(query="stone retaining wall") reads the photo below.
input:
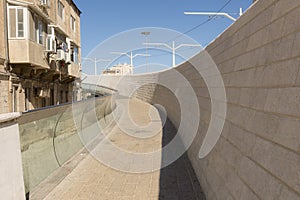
(257, 156)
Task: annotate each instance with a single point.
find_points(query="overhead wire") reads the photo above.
(194, 28)
(202, 23)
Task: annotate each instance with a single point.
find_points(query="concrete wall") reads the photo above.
(11, 182)
(258, 154)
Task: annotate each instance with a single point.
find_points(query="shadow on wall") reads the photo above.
(178, 180)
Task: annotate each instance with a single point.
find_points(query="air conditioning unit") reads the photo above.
(68, 57)
(61, 55)
(50, 44)
(45, 3)
(68, 50)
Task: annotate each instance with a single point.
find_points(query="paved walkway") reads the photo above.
(93, 180)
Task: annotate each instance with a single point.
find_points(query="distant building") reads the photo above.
(39, 53)
(120, 69)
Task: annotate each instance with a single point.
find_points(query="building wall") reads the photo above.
(48, 15)
(64, 24)
(4, 78)
(32, 68)
(257, 155)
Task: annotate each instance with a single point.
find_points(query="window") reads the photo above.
(17, 22)
(75, 57)
(74, 54)
(39, 26)
(60, 8)
(45, 3)
(20, 26)
(40, 29)
(73, 23)
(50, 39)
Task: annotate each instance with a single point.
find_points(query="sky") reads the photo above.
(101, 20)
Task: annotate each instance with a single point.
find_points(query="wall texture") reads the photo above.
(258, 154)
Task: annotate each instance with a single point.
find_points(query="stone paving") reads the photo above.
(93, 180)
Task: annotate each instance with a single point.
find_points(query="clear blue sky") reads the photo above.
(102, 19)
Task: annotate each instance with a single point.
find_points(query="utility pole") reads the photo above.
(95, 60)
(173, 48)
(131, 56)
(146, 34)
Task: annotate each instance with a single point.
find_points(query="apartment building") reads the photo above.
(120, 69)
(42, 57)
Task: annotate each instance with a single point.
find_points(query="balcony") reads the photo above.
(24, 51)
(74, 70)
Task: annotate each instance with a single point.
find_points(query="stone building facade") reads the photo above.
(4, 75)
(40, 53)
(120, 69)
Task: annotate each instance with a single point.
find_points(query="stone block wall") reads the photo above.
(257, 156)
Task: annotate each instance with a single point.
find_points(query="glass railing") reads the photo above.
(51, 136)
(90, 90)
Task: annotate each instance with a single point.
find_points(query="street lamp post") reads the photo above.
(146, 34)
(173, 48)
(95, 60)
(215, 14)
(131, 56)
